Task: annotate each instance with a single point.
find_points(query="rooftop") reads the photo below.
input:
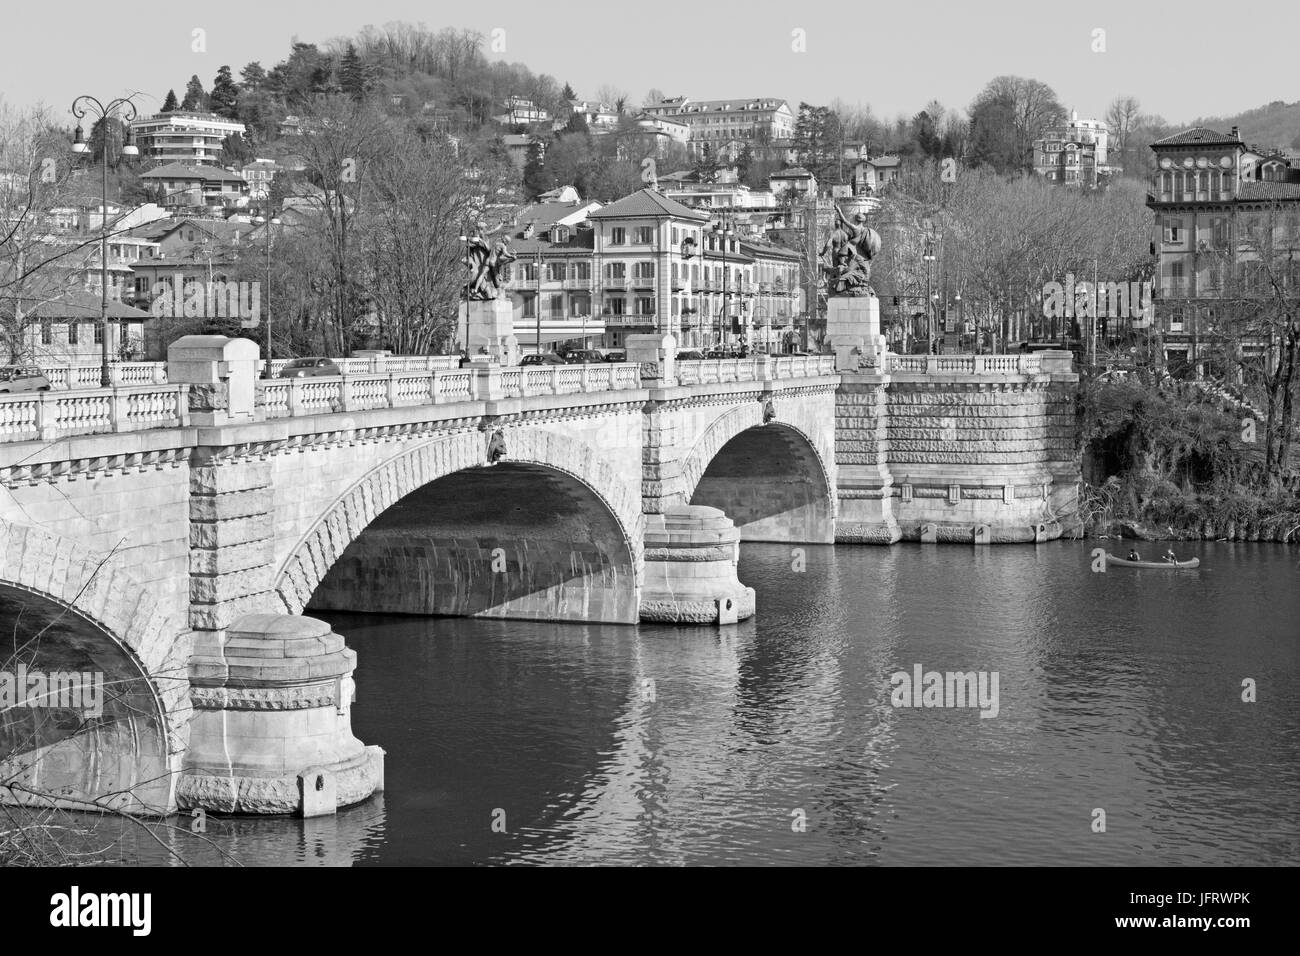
(1198, 136)
(647, 202)
(184, 171)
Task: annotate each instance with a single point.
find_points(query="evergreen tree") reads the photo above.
(577, 123)
(354, 74)
(568, 93)
(537, 178)
(224, 94)
(195, 98)
(817, 136)
(706, 165)
(169, 104)
(253, 75)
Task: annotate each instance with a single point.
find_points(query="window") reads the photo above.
(1176, 269)
(617, 236)
(582, 270)
(615, 270)
(645, 270)
(645, 234)
(73, 327)
(555, 272)
(645, 306)
(675, 235)
(557, 305)
(99, 333)
(1173, 230)
(618, 306)
(1176, 319)
(530, 271)
(530, 307)
(47, 333)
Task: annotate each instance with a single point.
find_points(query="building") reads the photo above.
(188, 185)
(792, 185)
(521, 112)
(68, 331)
(191, 138)
(1211, 195)
(259, 175)
(727, 126)
(517, 148)
(871, 175)
(674, 130)
(1073, 153)
(597, 115)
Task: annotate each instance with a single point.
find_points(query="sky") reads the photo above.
(1185, 61)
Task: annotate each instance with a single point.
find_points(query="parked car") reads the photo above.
(616, 355)
(542, 358)
(310, 368)
(585, 357)
(23, 378)
(689, 355)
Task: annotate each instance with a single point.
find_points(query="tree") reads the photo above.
(169, 104)
(706, 165)
(818, 139)
(577, 123)
(744, 161)
(225, 94)
(568, 93)
(611, 95)
(537, 178)
(253, 75)
(235, 151)
(1007, 116)
(653, 96)
(355, 76)
(195, 98)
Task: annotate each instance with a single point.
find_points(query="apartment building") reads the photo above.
(191, 138)
(187, 185)
(1219, 205)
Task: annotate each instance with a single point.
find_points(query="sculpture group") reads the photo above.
(486, 264)
(846, 256)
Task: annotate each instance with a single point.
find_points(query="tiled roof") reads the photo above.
(183, 171)
(796, 172)
(80, 305)
(1267, 191)
(647, 202)
(1197, 136)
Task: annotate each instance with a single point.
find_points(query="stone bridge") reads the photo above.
(175, 536)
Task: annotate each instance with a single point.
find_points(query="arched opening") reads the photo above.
(770, 482)
(511, 540)
(79, 720)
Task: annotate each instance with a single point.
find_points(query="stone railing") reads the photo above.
(66, 377)
(380, 365)
(45, 416)
(752, 369)
(1020, 364)
(289, 397)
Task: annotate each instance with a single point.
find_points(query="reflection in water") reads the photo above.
(662, 745)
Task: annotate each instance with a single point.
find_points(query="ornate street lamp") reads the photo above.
(80, 107)
(266, 371)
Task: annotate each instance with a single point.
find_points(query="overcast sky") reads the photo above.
(1182, 61)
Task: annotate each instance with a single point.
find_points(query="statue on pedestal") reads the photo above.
(846, 256)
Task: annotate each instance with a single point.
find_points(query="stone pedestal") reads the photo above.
(690, 568)
(853, 331)
(272, 724)
(222, 374)
(657, 355)
(491, 330)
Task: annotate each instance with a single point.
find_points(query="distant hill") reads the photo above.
(1277, 124)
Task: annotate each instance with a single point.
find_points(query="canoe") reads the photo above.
(1159, 565)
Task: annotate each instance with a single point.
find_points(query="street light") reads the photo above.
(266, 371)
(927, 258)
(80, 107)
(724, 231)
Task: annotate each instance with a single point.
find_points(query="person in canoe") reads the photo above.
(1133, 555)
(1171, 557)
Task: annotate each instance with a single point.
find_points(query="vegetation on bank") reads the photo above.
(1168, 459)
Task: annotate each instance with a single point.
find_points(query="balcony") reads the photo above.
(1174, 287)
(615, 282)
(643, 282)
(576, 283)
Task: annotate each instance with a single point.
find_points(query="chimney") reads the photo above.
(1235, 133)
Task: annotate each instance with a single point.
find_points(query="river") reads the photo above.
(776, 741)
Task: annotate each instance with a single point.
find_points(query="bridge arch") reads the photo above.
(471, 500)
(766, 467)
(66, 612)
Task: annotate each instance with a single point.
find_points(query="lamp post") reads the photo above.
(723, 230)
(80, 107)
(928, 258)
(266, 370)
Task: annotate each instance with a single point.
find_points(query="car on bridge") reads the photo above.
(690, 355)
(314, 367)
(542, 358)
(585, 357)
(616, 355)
(23, 378)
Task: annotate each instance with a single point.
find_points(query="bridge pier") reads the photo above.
(690, 568)
(272, 724)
